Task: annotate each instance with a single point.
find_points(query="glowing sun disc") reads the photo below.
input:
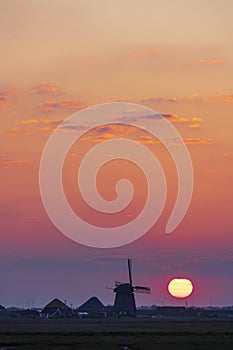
(180, 287)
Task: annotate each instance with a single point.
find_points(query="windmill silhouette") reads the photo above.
(124, 304)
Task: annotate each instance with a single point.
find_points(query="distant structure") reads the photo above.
(56, 308)
(124, 304)
(2, 308)
(93, 307)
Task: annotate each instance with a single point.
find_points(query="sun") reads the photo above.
(180, 287)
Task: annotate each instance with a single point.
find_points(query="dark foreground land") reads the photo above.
(134, 334)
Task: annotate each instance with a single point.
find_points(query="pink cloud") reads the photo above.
(158, 99)
(50, 105)
(44, 87)
(5, 96)
(175, 118)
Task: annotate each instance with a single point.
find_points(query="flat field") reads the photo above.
(134, 334)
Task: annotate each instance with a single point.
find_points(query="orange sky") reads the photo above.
(58, 57)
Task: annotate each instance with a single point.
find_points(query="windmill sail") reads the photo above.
(139, 289)
(130, 271)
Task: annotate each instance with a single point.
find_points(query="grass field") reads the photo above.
(135, 334)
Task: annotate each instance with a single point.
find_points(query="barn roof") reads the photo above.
(92, 305)
(56, 303)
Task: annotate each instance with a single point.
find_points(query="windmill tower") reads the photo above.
(124, 304)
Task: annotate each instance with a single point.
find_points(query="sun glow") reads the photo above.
(180, 287)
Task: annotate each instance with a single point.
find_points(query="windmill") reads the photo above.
(124, 304)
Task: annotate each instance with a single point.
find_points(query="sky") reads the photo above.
(61, 56)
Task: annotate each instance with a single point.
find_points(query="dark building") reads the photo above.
(93, 307)
(2, 308)
(56, 309)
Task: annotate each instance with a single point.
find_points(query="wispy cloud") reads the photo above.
(196, 123)
(50, 105)
(44, 88)
(194, 126)
(5, 96)
(109, 132)
(36, 124)
(192, 97)
(48, 124)
(52, 122)
(8, 162)
(175, 118)
(214, 99)
(29, 121)
(104, 133)
(151, 100)
(197, 141)
(210, 61)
